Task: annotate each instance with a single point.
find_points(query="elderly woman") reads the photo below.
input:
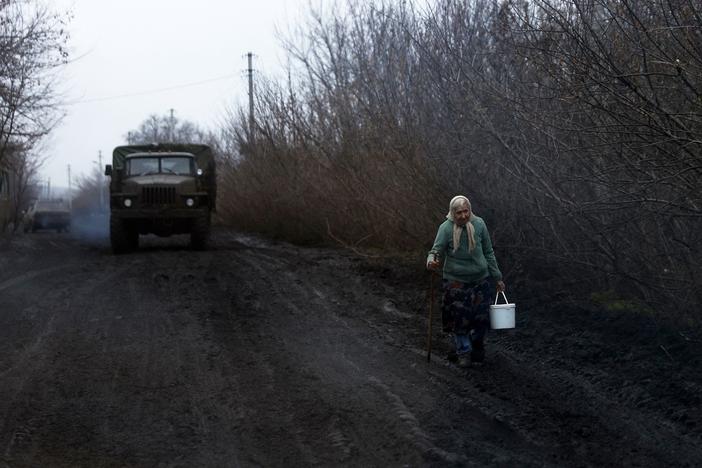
(463, 244)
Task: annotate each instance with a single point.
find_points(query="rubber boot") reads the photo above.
(477, 355)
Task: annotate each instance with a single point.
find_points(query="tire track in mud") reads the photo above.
(31, 275)
(273, 373)
(278, 369)
(39, 356)
(419, 436)
(264, 354)
(538, 411)
(105, 334)
(592, 415)
(392, 412)
(547, 396)
(203, 404)
(385, 312)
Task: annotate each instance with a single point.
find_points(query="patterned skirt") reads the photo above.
(465, 308)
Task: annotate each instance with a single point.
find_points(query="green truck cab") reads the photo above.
(161, 189)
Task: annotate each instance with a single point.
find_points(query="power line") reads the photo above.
(151, 91)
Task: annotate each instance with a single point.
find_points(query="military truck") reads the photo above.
(161, 189)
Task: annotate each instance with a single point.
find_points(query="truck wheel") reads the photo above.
(133, 237)
(120, 236)
(200, 233)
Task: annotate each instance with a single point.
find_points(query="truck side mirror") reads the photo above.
(108, 170)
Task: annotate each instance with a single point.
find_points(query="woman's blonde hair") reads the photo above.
(455, 203)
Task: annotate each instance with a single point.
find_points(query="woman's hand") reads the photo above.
(500, 286)
(433, 265)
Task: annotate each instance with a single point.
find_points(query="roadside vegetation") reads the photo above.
(33, 41)
(574, 128)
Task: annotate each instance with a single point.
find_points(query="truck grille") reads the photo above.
(158, 195)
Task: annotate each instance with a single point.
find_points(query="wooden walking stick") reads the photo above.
(431, 313)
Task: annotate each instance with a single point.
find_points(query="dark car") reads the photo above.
(48, 214)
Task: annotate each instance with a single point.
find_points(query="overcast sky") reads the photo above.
(157, 55)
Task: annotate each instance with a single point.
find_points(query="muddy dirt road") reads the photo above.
(264, 354)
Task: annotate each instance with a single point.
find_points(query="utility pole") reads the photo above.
(70, 191)
(101, 180)
(171, 128)
(251, 95)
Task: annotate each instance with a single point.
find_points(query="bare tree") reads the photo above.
(617, 85)
(574, 126)
(86, 196)
(32, 46)
(166, 129)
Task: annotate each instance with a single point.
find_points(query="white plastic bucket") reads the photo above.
(502, 315)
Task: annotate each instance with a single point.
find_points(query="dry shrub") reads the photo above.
(574, 127)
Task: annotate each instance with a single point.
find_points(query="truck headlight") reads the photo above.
(127, 202)
(190, 202)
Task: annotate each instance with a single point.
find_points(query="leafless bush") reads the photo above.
(610, 98)
(573, 126)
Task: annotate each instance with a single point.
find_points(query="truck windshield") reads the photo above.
(178, 165)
